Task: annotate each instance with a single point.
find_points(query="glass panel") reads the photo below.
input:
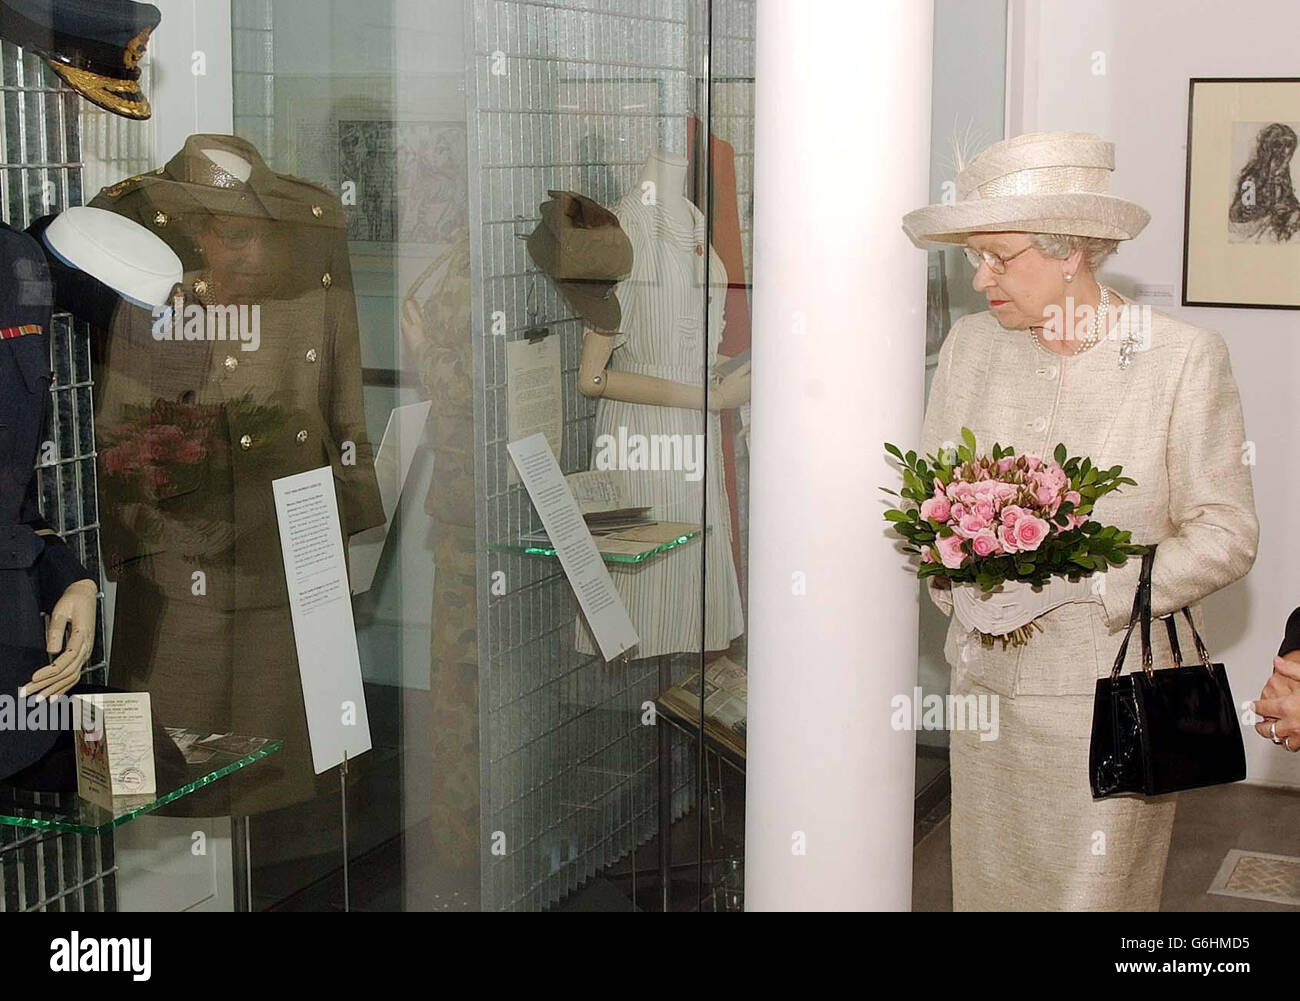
(968, 108)
(374, 248)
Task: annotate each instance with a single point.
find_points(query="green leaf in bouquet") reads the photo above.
(1025, 567)
(1087, 464)
(910, 458)
(963, 454)
(894, 451)
(1062, 519)
(1125, 479)
(968, 436)
(1090, 528)
(1059, 455)
(888, 491)
(893, 514)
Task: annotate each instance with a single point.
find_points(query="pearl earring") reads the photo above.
(1069, 277)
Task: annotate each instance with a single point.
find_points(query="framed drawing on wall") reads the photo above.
(1241, 237)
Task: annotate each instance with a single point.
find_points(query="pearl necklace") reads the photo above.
(1092, 337)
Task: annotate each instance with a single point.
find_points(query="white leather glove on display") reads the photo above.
(1015, 603)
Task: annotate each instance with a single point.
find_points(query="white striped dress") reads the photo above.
(661, 335)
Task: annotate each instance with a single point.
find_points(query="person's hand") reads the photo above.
(1279, 703)
(731, 391)
(1014, 603)
(74, 614)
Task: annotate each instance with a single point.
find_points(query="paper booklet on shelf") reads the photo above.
(726, 692)
(113, 737)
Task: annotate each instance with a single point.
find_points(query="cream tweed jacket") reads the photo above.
(1172, 419)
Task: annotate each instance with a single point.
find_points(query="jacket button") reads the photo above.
(311, 354)
(201, 287)
(246, 442)
(317, 211)
(326, 280)
(231, 363)
(302, 437)
(160, 219)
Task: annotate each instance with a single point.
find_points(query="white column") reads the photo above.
(842, 152)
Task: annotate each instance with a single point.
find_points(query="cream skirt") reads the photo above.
(1027, 834)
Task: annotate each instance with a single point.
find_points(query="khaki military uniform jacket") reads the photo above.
(192, 432)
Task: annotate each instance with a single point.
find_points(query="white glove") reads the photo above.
(1014, 603)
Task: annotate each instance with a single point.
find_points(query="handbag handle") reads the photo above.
(1201, 650)
(1142, 614)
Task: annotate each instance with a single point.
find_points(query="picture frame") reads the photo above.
(1241, 233)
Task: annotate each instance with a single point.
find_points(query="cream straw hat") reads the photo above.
(1040, 182)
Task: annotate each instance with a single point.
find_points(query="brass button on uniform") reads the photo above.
(311, 354)
(231, 363)
(201, 287)
(317, 211)
(246, 442)
(326, 280)
(160, 218)
(302, 437)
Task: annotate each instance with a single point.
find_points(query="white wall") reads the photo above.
(1151, 49)
(192, 84)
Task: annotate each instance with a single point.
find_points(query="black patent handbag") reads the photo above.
(1159, 731)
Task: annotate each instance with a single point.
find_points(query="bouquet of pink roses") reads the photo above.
(986, 519)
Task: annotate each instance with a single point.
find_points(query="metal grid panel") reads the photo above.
(568, 771)
(41, 173)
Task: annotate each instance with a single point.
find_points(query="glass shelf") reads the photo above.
(68, 813)
(641, 556)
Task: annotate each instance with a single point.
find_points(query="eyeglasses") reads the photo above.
(998, 265)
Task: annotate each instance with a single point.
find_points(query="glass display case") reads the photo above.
(461, 298)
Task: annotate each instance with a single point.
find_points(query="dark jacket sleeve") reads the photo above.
(56, 566)
(1291, 641)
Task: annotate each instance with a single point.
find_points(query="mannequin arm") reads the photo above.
(596, 380)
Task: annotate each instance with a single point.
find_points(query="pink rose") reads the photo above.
(984, 510)
(1032, 461)
(1030, 532)
(1007, 538)
(950, 551)
(936, 508)
(1011, 514)
(985, 544)
(1006, 463)
(1073, 497)
(971, 525)
(927, 555)
(957, 512)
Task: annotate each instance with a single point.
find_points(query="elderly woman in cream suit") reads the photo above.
(1126, 386)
